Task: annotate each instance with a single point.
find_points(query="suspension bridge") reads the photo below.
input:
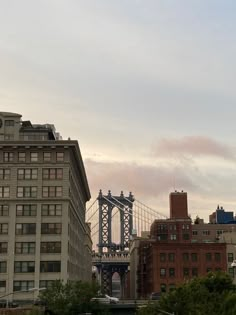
(111, 244)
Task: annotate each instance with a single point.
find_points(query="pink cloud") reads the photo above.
(143, 181)
(194, 146)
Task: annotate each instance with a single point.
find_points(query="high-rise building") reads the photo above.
(43, 193)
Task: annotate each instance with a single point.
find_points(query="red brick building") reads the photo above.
(170, 257)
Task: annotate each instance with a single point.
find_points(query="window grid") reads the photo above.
(21, 157)
(52, 173)
(24, 266)
(7, 156)
(27, 173)
(50, 228)
(52, 191)
(3, 266)
(4, 192)
(3, 247)
(25, 228)
(60, 156)
(33, 156)
(5, 173)
(3, 228)
(23, 285)
(25, 248)
(26, 210)
(26, 191)
(50, 247)
(47, 156)
(51, 210)
(4, 210)
(50, 266)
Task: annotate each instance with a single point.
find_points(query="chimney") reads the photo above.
(178, 205)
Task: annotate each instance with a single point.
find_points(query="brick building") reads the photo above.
(170, 257)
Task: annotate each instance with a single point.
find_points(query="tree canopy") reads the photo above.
(71, 298)
(212, 294)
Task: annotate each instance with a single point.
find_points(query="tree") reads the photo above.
(71, 298)
(212, 294)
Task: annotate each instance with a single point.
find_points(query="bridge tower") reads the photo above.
(113, 257)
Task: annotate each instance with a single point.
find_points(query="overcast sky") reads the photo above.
(147, 87)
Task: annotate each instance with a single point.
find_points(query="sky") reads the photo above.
(147, 87)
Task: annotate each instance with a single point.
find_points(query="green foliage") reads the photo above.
(71, 298)
(212, 294)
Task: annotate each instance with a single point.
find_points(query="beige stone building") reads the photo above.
(43, 192)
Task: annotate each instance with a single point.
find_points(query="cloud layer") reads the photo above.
(193, 146)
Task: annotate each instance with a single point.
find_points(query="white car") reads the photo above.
(113, 300)
(106, 299)
(101, 299)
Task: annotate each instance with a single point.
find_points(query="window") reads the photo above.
(7, 156)
(185, 257)
(5, 173)
(25, 228)
(51, 228)
(60, 156)
(194, 257)
(162, 272)
(231, 271)
(208, 256)
(162, 257)
(33, 156)
(3, 286)
(27, 173)
(171, 257)
(3, 266)
(205, 232)
(230, 257)
(50, 247)
(25, 248)
(52, 191)
(217, 257)
(163, 287)
(173, 237)
(4, 210)
(51, 210)
(186, 236)
(3, 247)
(50, 266)
(24, 266)
(26, 210)
(21, 157)
(194, 232)
(185, 272)
(52, 173)
(47, 156)
(3, 228)
(9, 123)
(46, 283)
(27, 192)
(162, 237)
(23, 285)
(171, 272)
(4, 192)
(194, 272)
(162, 227)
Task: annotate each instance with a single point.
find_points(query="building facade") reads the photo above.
(170, 256)
(43, 192)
